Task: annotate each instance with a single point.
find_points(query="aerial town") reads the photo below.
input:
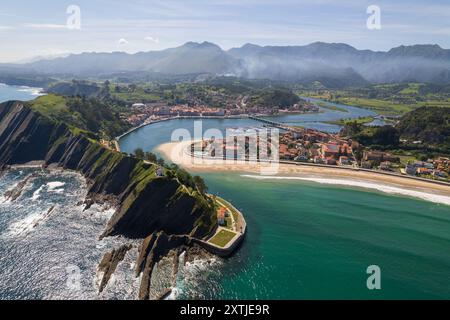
(322, 148)
(150, 112)
(296, 144)
(319, 148)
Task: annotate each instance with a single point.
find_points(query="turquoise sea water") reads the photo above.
(307, 240)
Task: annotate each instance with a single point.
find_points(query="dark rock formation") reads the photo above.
(3, 170)
(165, 294)
(16, 192)
(176, 262)
(46, 215)
(109, 263)
(153, 249)
(196, 252)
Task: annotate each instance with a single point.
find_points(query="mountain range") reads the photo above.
(330, 63)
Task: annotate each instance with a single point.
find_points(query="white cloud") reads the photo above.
(123, 42)
(152, 39)
(45, 26)
(420, 10)
(2, 28)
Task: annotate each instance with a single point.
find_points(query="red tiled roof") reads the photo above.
(330, 148)
(221, 213)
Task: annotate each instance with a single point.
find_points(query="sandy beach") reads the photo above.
(326, 175)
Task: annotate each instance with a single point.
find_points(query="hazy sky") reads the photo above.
(38, 28)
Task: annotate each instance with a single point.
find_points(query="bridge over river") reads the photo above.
(274, 124)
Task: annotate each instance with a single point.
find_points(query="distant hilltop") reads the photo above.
(336, 64)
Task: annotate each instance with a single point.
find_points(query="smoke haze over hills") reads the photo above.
(324, 62)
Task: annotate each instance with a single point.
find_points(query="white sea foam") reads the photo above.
(122, 283)
(55, 185)
(189, 273)
(108, 213)
(200, 265)
(101, 213)
(366, 185)
(7, 200)
(174, 294)
(37, 193)
(98, 276)
(24, 225)
(32, 91)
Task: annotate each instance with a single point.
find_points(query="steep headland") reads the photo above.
(147, 203)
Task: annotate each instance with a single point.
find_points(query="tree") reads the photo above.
(149, 156)
(184, 177)
(132, 87)
(139, 153)
(170, 174)
(352, 128)
(386, 136)
(161, 162)
(200, 184)
(358, 151)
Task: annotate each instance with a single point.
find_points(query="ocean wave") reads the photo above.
(102, 213)
(28, 224)
(30, 90)
(6, 199)
(365, 185)
(37, 193)
(191, 276)
(122, 284)
(53, 186)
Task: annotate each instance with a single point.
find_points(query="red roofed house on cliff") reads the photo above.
(221, 213)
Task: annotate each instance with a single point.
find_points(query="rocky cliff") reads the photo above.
(146, 203)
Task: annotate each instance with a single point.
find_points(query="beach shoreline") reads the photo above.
(175, 152)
